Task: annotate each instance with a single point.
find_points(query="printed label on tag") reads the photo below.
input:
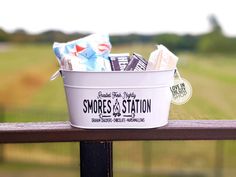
(181, 91)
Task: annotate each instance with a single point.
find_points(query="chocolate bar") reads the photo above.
(119, 61)
(137, 63)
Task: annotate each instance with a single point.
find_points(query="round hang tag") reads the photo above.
(181, 91)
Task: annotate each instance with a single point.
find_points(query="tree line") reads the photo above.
(214, 41)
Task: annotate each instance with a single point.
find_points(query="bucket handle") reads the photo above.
(56, 75)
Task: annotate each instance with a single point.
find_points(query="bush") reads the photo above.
(216, 43)
(4, 37)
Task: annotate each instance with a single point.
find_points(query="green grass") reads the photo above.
(20, 57)
(23, 169)
(213, 81)
(213, 78)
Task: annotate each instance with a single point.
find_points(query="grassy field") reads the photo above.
(26, 94)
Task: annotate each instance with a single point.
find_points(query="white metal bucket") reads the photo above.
(108, 100)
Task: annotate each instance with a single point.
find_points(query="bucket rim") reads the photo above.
(146, 71)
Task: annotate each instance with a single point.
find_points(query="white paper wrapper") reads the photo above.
(162, 59)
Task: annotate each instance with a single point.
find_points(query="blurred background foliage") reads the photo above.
(207, 60)
(213, 41)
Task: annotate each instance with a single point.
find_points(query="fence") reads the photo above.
(96, 145)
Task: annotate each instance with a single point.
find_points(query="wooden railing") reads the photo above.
(96, 145)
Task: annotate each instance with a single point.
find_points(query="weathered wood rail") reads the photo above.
(96, 145)
(62, 132)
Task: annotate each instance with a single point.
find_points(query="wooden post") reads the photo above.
(219, 159)
(2, 116)
(147, 155)
(96, 159)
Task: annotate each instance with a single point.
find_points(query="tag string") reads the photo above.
(177, 74)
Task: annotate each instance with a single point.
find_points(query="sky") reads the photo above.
(117, 16)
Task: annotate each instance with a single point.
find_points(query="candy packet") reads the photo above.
(119, 61)
(85, 54)
(162, 59)
(136, 63)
